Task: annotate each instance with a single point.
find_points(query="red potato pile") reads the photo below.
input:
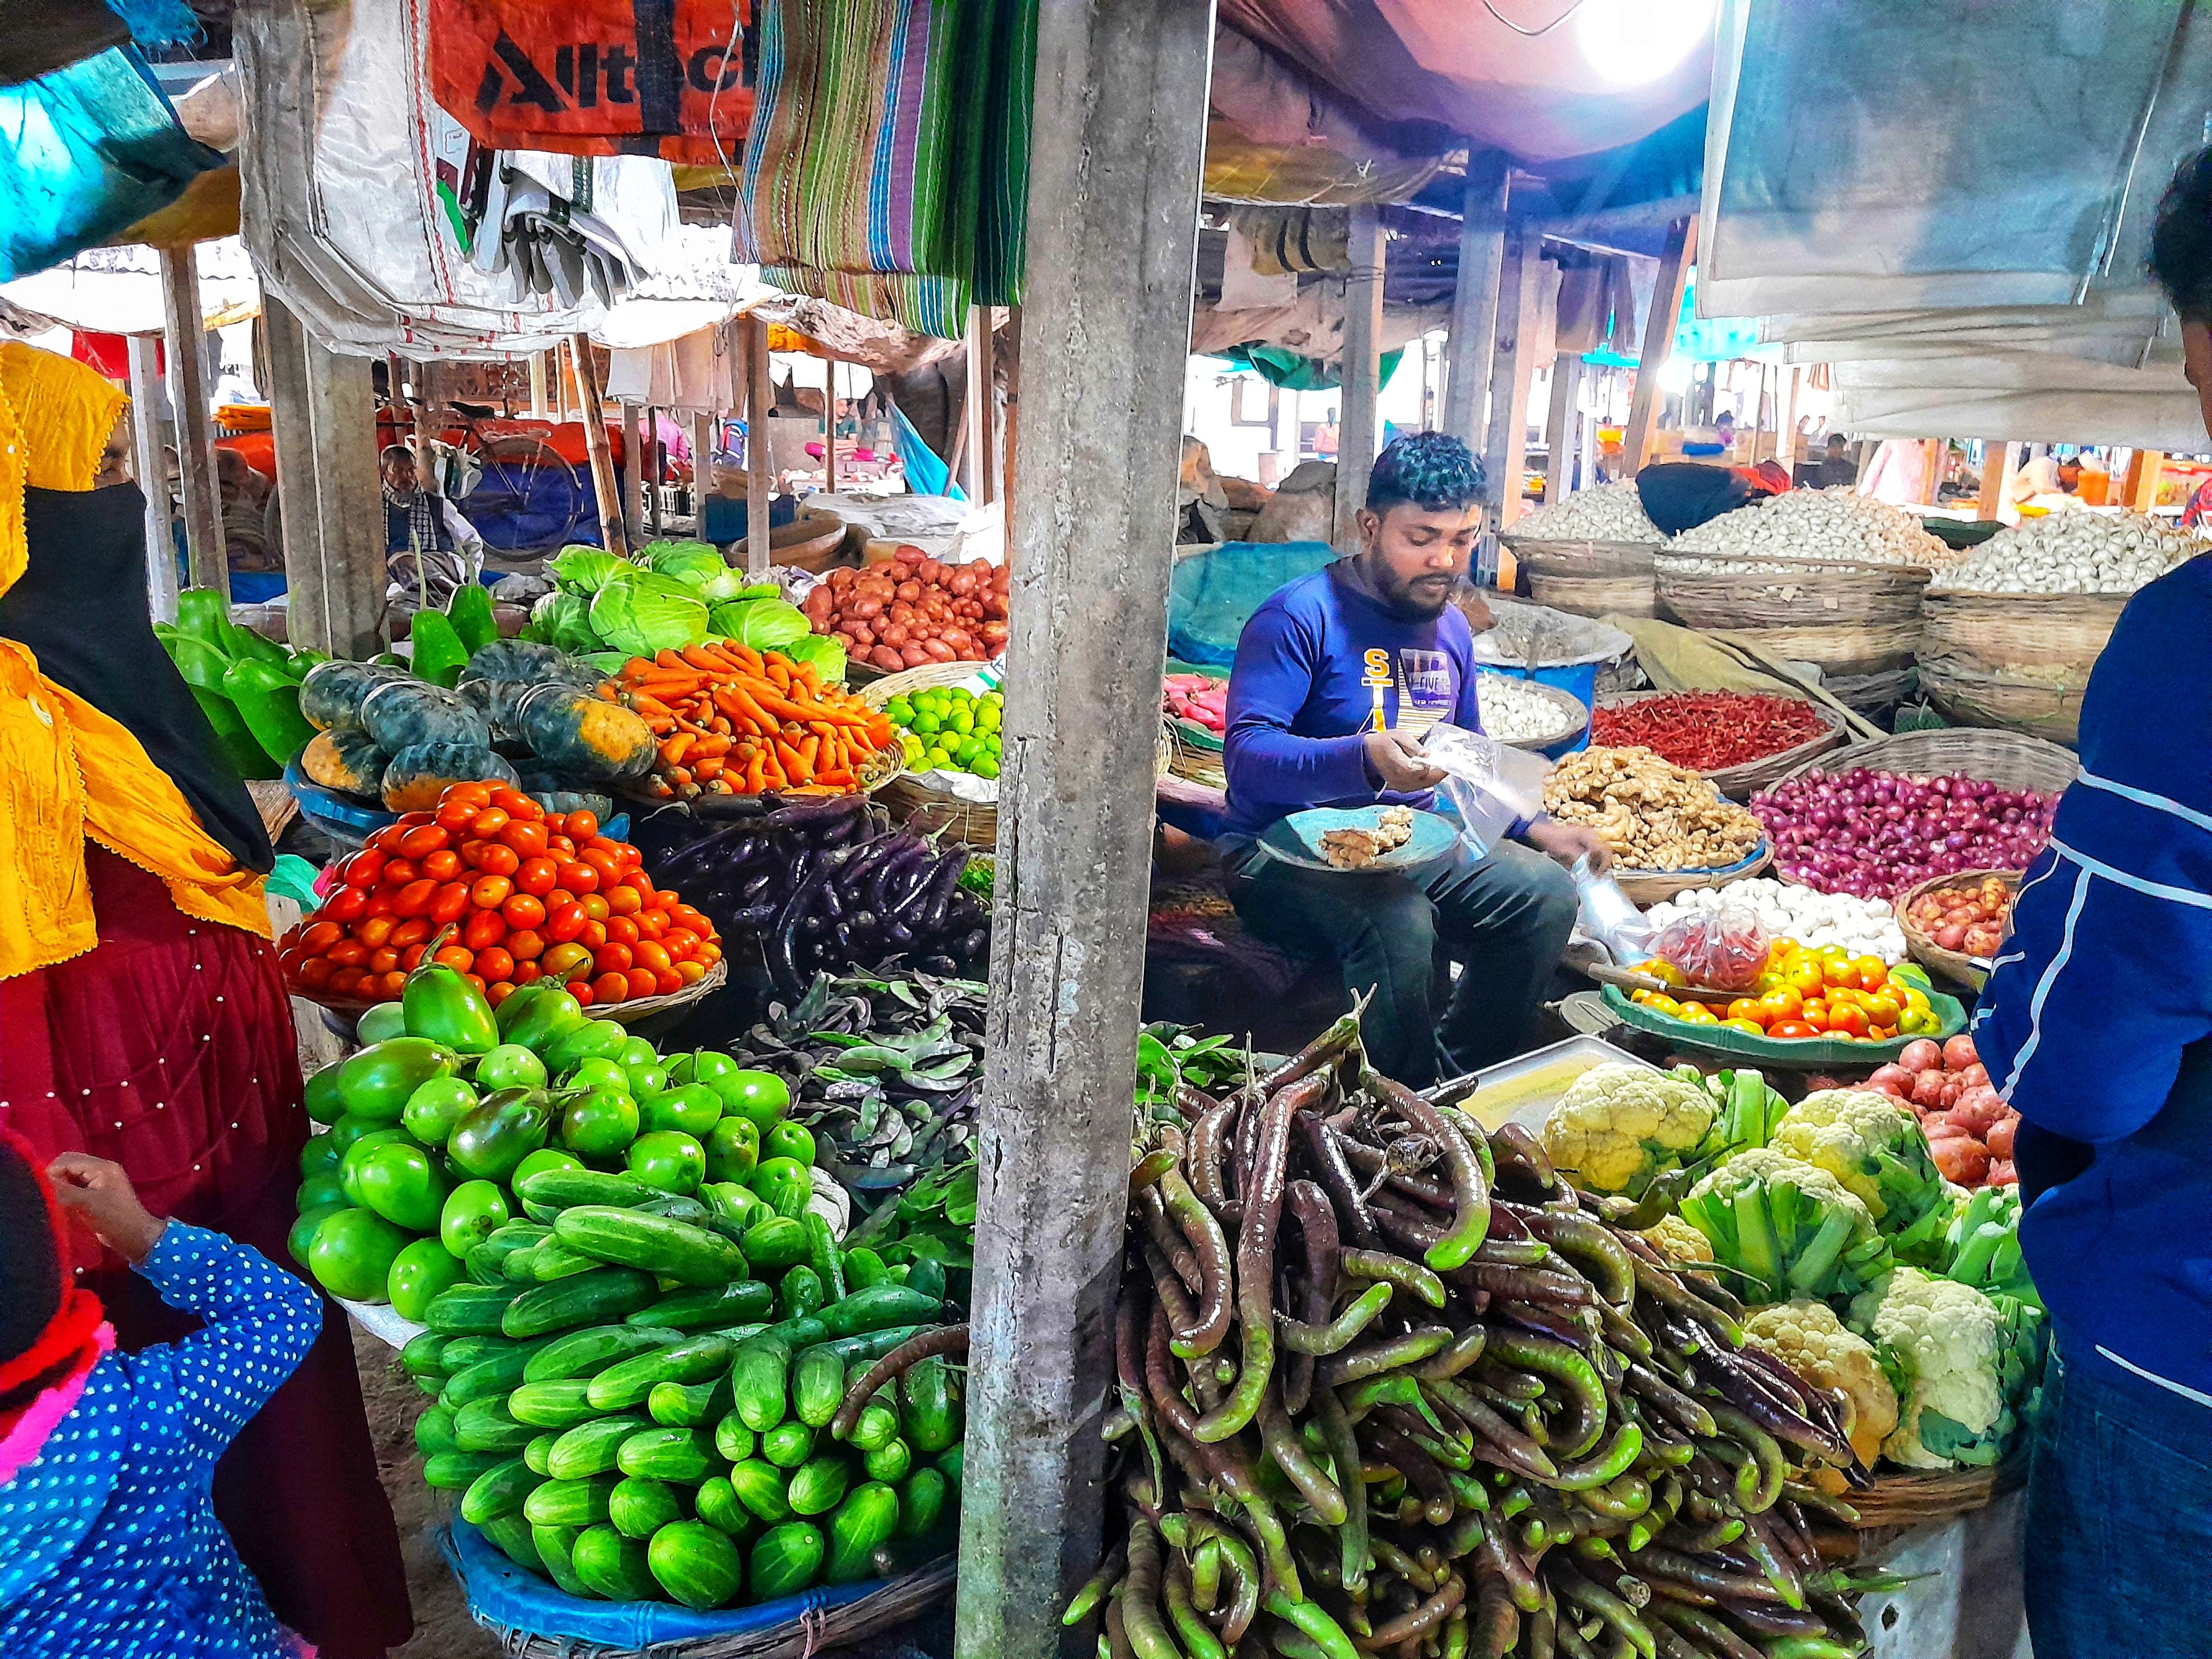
(914, 610)
(1970, 1129)
(1198, 698)
(1970, 917)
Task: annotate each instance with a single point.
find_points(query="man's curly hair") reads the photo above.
(1433, 471)
(2181, 240)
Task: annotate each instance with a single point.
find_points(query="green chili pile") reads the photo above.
(1389, 1385)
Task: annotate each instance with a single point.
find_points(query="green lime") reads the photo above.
(969, 749)
(987, 718)
(925, 723)
(987, 766)
(900, 710)
(961, 721)
(937, 761)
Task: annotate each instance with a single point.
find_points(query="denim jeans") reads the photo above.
(1506, 918)
(2119, 1558)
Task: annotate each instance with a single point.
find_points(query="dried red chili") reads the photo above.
(1707, 731)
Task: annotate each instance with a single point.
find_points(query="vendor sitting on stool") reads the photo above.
(1307, 727)
(427, 545)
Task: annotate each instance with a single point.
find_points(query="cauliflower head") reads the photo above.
(1876, 1149)
(1808, 1338)
(1678, 1241)
(1939, 1342)
(1618, 1125)
(1792, 1229)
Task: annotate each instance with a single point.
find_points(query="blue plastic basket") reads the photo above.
(1579, 680)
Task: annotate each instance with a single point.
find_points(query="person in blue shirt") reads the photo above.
(1337, 677)
(109, 1543)
(2097, 1024)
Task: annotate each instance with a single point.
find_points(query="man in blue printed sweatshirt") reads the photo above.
(1337, 676)
(2097, 1024)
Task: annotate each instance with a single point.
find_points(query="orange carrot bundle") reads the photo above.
(732, 720)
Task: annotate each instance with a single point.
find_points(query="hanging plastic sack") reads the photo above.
(599, 78)
(92, 150)
(1724, 949)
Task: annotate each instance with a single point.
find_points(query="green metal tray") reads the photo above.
(1819, 1053)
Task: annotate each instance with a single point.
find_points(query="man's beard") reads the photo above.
(1409, 603)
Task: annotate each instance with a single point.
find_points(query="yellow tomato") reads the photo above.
(1781, 1003)
(1660, 1002)
(1882, 1033)
(1874, 973)
(1909, 995)
(1839, 970)
(1696, 1013)
(1816, 1014)
(1780, 951)
(1743, 1008)
(1834, 953)
(1748, 1027)
(1883, 1009)
(1805, 976)
(1847, 1021)
(1665, 972)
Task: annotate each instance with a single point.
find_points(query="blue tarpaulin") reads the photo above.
(1212, 595)
(86, 153)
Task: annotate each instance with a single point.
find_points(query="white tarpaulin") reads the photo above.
(2019, 396)
(118, 291)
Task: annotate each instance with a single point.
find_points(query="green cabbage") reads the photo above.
(648, 614)
(763, 624)
(695, 562)
(587, 569)
(825, 651)
(563, 621)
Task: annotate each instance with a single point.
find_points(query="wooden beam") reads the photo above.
(634, 484)
(1785, 437)
(760, 466)
(537, 386)
(1560, 424)
(1119, 134)
(651, 466)
(323, 408)
(1014, 361)
(829, 427)
(702, 468)
(1681, 252)
(592, 409)
(1358, 422)
(153, 475)
(1474, 306)
(1996, 475)
(981, 407)
(187, 339)
(1513, 371)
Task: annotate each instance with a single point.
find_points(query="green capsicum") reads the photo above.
(202, 667)
(441, 1004)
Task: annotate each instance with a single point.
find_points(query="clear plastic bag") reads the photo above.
(1479, 785)
(1724, 949)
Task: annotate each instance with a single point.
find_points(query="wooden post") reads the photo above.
(981, 407)
(830, 426)
(1513, 372)
(324, 410)
(1119, 128)
(1357, 423)
(1474, 306)
(1674, 264)
(153, 474)
(186, 337)
(702, 468)
(760, 475)
(1785, 436)
(592, 409)
(2145, 470)
(655, 474)
(634, 484)
(1014, 361)
(537, 386)
(1560, 426)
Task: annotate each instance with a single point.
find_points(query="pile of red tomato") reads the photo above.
(1805, 992)
(527, 895)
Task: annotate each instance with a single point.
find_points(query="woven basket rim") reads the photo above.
(1950, 598)
(1907, 1497)
(1516, 540)
(1953, 964)
(2029, 762)
(1751, 774)
(1812, 562)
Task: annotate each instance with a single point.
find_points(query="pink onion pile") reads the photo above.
(1873, 834)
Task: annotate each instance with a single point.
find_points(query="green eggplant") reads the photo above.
(376, 1083)
(324, 1105)
(442, 1006)
(505, 1128)
(518, 1003)
(543, 1022)
(269, 702)
(386, 1019)
(601, 1039)
(783, 1185)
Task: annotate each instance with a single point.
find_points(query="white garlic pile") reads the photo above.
(1610, 512)
(1514, 711)
(1862, 927)
(1811, 524)
(2077, 551)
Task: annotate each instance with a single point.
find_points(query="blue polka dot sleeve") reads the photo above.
(260, 1323)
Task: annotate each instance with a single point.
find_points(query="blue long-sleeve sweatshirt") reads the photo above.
(2097, 1020)
(1304, 691)
(109, 1543)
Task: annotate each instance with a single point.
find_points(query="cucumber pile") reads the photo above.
(437, 1122)
(639, 1395)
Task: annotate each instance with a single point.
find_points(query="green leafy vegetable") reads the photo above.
(563, 621)
(764, 624)
(825, 653)
(588, 569)
(648, 613)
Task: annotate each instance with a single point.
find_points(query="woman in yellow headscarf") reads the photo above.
(142, 1017)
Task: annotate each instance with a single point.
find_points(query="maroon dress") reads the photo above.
(169, 1050)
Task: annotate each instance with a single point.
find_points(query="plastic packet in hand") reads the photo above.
(1609, 916)
(1724, 948)
(1479, 786)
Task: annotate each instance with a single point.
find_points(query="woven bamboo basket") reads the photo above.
(1916, 1497)
(1976, 695)
(2004, 758)
(1838, 592)
(1869, 694)
(914, 803)
(1996, 629)
(1589, 578)
(1737, 783)
(1954, 965)
(1646, 888)
(1573, 717)
(1841, 648)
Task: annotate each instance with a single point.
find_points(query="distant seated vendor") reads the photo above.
(431, 552)
(1337, 676)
